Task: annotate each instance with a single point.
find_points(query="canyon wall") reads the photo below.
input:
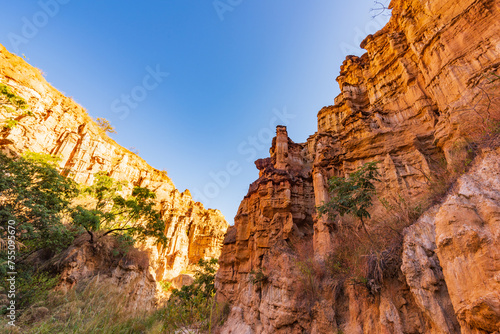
(417, 101)
(60, 127)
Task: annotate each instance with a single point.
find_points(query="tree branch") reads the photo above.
(90, 233)
(380, 9)
(117, 229)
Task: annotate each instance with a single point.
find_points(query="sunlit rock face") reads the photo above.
(468, 246)
(425, 89)
(61, 127)
(279, 207)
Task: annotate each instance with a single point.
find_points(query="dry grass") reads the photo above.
(92, 307)
(311, 271)
(97, 307)
(370, 258)
(358, 257)
(199, 315)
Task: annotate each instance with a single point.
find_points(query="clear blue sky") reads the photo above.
(195, 86)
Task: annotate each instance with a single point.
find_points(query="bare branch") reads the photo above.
(379, 9)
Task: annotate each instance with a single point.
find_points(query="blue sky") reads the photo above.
(196, 87)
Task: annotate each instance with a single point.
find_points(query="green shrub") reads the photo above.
(193, 307)
(257, 276)
(203, 285)
(14, 105)
(10, 123)
(35, 286)
(353, 194)
(165, 285)
(6, 94)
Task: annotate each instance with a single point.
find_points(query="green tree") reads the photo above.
(352, 194)
(112, 213)
(203, 285)
(34, 195)
(205, 276)
(193, 305)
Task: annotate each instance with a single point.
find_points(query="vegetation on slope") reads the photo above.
(369, 252)
(40, 204)
(96, 307)
(14, 105)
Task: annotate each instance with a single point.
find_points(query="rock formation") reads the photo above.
(416, 102)
(129, 273)
(59, 126)
(451, 254)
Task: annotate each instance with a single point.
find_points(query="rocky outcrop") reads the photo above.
(424, 275)
(111, 264)
(59, 126)
(451, 257)
(416, 102)
(467, 240)
(278, 208)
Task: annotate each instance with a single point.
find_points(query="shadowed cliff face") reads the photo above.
(61, 127)
(425, 90)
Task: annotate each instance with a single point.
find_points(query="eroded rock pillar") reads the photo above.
(322, 241)
(281, 147)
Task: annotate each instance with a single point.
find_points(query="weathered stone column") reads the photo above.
(322, 241)
(281, 147)
(320, 189)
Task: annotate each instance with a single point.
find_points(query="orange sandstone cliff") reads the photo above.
(61, 127)
(417, 101)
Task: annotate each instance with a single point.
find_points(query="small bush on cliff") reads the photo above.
(104, 125)
(369, 260)
(110, 212)
(311, 273)
(14, 105)
(165, 285)
(257, 276)
(352, 194)
(8, 97)
(10, 123)
(366, 258)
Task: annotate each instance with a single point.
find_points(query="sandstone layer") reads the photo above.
(60, 127)
(417, 102)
